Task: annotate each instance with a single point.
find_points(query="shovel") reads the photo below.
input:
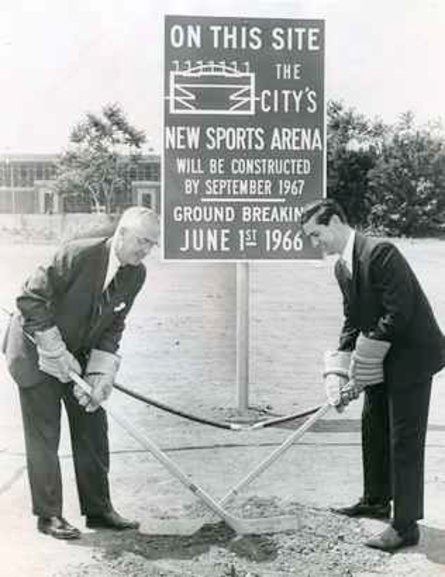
(286, 523)
(239, 525)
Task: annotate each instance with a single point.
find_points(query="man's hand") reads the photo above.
(350, 391)
(333, 385)
(335, 374)
(100, 374)
(54, 357)
(101, 388)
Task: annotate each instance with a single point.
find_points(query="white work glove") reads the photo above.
(336, 376)
(367, 361)
(350, 391)
(54, 358)
(101, 387)
(100, 375)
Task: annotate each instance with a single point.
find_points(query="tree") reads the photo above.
(96, 166)
(353, 144)
(407, 183)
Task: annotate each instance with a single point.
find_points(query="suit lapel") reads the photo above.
(100, 263)
(363, 304)
(356, 276)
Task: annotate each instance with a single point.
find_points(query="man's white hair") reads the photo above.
(135, 215)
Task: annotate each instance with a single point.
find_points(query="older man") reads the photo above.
(70, 318)
(390, 346)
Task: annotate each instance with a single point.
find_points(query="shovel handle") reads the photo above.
(295, 436)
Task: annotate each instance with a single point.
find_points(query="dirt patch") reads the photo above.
(325, 545)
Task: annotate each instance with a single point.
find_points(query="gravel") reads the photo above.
(326, 545)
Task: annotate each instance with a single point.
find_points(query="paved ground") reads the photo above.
(180, 349)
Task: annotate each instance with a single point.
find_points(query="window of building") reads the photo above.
(147, 198)
(48, 202)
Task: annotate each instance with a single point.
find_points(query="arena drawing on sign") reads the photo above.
(212, 89)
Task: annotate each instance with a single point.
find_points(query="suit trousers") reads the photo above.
(41, 413)
(394, 424)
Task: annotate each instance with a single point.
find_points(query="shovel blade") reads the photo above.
(186, 527)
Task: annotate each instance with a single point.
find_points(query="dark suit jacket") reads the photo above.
(67, 292)
(384, 300)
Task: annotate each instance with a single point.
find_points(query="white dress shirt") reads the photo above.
(113, 265)
(347, 253)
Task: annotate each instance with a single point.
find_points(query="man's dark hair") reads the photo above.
(324, 210)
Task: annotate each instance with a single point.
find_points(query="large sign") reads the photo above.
(244, 138)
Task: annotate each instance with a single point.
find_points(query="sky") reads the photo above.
(62, 58)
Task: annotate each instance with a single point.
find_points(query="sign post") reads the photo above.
(244, 141)
(242, 335)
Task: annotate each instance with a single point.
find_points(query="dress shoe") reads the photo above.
(366, 509)
(57, 527)
(110, 520)
(391, 540)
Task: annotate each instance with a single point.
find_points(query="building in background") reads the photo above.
(26, 185)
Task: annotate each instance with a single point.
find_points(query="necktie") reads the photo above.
(108, 292)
